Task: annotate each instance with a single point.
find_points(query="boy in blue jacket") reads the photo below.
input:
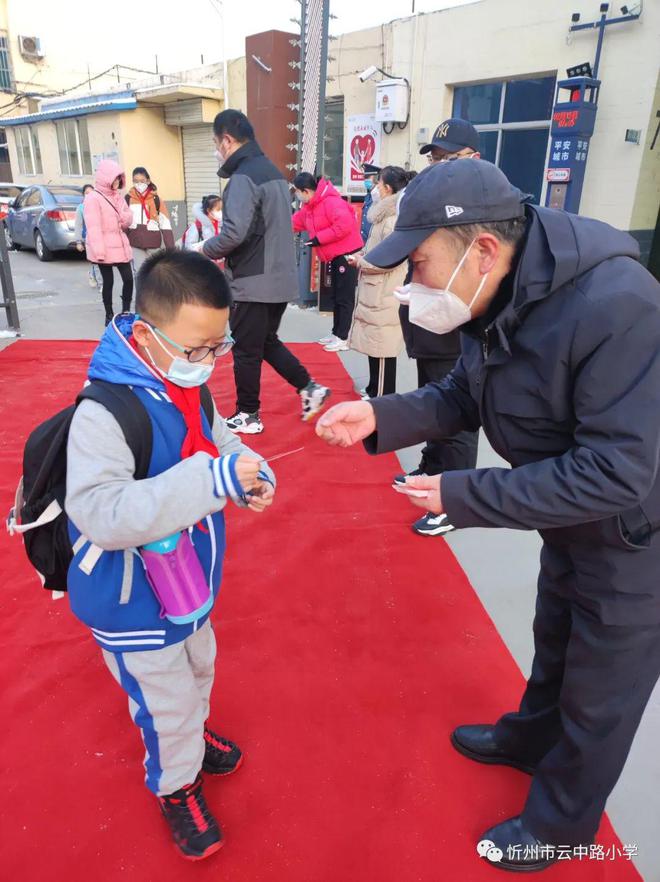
(164, 353)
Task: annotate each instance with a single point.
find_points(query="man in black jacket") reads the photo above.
(436, 354)
(256, 241)
(560, 365)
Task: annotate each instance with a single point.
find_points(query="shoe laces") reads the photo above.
(216, 742)
(191, 807)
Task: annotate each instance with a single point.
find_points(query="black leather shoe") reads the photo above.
(478, 743)
(510, 846)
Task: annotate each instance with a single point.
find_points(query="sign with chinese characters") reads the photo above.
(568, 150)
(363, 136)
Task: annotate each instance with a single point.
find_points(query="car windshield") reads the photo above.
(65, 195)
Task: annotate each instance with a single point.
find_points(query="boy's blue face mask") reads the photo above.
(368, 184)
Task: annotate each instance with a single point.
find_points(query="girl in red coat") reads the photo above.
(334, 230)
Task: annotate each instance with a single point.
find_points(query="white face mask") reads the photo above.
(375, 195)
(439, 310)
(142, 187)
(181, 372)
(217, 215)
(219, 156)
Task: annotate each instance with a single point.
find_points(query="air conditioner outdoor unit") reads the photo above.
(30, 47)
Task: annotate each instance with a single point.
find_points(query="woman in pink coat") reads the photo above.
(106, 217)
(334, 230)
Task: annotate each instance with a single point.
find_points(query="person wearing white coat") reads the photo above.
(376, 330)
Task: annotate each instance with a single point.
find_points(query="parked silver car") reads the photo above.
(43, 218)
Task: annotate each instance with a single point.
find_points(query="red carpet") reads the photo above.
(349, 648)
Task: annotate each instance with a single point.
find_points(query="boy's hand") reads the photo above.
(261, 497)
(347, 423)
(247, 471)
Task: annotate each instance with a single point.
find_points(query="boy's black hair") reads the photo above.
(234, 123)
(87, 187)
(168, 279)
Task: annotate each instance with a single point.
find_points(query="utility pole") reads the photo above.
(602, 23)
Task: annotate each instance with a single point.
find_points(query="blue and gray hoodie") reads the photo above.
(111, 514)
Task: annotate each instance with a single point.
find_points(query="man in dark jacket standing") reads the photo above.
(436, 354)
(257, 243)
(560, 365)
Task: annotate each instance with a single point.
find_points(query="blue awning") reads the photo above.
(76, 107)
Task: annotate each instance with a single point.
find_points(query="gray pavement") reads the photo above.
(56, 302)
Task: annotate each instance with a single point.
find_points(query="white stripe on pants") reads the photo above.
(168, 698)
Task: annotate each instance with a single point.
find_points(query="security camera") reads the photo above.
(368, 72)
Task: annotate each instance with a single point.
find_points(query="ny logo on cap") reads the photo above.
(441, 131)
(453, 210)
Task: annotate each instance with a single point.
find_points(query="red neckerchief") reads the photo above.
(216, 228)
(143, 198)
(187, 402)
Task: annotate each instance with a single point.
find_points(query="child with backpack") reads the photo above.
(148, 554)
(207, 220)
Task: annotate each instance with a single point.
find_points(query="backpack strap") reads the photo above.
(206, 400)
(131, 415)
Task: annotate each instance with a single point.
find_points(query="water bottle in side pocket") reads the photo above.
(177, 578)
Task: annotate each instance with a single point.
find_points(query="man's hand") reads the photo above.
(261, 497)
(80, 247)
(346, 424)
(432, 502)
(196, 247)
(247, 472)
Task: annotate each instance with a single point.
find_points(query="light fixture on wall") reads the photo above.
(579, 70)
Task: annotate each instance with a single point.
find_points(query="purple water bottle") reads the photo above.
(177, 578)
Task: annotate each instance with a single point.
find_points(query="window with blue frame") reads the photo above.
(513, 120)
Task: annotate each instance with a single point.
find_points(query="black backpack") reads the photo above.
(38, 513)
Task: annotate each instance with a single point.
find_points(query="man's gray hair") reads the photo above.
(511, 232)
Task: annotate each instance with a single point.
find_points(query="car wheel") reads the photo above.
(11, 245)
(43, 251)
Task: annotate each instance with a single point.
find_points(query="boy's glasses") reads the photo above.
(199, 353)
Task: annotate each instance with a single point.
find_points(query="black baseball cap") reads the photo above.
(448, 194)
(454, 135)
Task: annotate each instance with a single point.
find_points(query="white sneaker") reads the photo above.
(364, 395)
(324, 341)
(245, 423)
(91, 281)
(313, 397)
(337, 345)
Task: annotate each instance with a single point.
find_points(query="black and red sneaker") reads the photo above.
(221, 756)
(196, 832)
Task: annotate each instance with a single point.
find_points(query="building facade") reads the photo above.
(496, 62)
